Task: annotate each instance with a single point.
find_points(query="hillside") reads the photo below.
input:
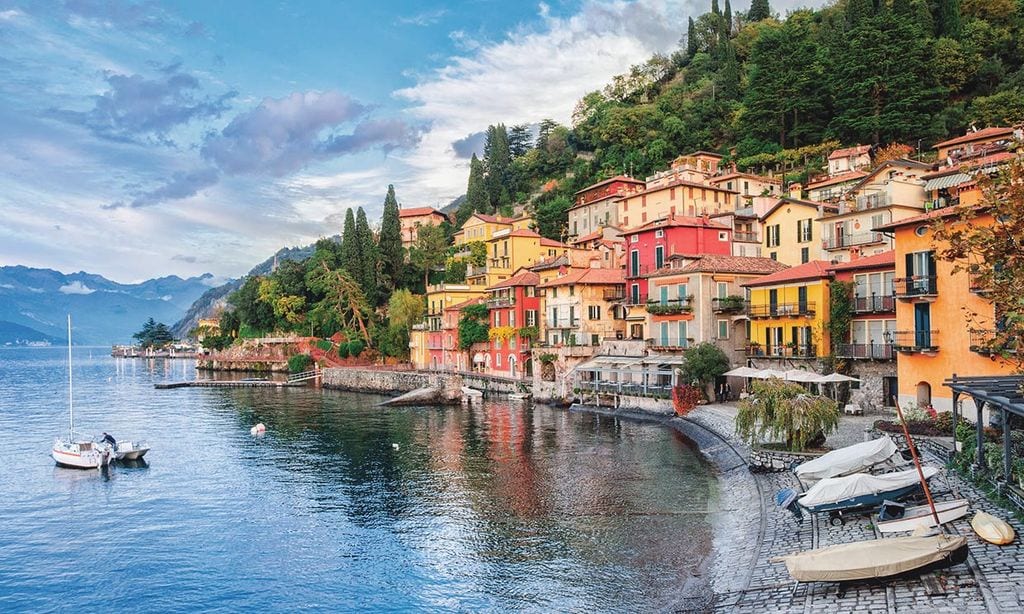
(16, 334)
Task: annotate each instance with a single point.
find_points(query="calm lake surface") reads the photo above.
(500, 507)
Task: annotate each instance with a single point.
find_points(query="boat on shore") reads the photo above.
(853, 492)
(876, 558)
(859, 458)
(920, 516)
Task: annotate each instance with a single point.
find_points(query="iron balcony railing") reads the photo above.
(788, 350)
(885, 303)
(563, 323)
(728, 305)
(869, 351)
(746, 237)
(614, 294)
(639, 299)
(504, 301)
(992, 342)
(916, 340)
(849, 240)
(918, 285)
(670, 307)
(779, 310)
(668, 343)
(475, 269)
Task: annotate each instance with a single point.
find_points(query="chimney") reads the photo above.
(796, 191)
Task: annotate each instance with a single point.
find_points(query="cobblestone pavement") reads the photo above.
(751, 530)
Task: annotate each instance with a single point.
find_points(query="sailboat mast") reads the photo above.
(71, 395)
(917, 463)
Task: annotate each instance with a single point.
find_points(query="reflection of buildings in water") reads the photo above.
(515, 474)
(447, 450)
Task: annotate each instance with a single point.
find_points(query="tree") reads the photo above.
(154, 334)
(476, 193)
(703, 363)
(779, 409)
(253, 313)
(947, 18)
(691, 38)
(552, 217)
(344, 306)
(728, 18)
(759, 9)
(405, 308)
(519, 140)
(389, 246)
(474, 327)
(429, 251)
(350, 259)
(497, 161)
(368, 258)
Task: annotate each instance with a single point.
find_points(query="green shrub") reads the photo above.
(343, 349)
(299, 363)
(324, 344)
(355, 348)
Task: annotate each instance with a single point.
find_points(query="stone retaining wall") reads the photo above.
(381, 381)
(768, 460)
(243, 366)
(941, 447)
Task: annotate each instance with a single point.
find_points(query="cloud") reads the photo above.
(121, 15)
(426, 18)
(181, 185)
(184, 258)
(136, 106)
(470, 144)
(76, 287)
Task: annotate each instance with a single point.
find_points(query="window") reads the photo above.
(531, 317)
(921, 231)
(634, 238)
(512, 318)
(575, 228)
(681, 331)
(723, 236)
(659, 256)
(681, 291)
(554, 292)
(803, 231)
(497, 318)
(746, 187)
(572, 315)
(634, 294)
(512, 342)
(659, 233)
(805, 255)
(772, 234)
(497, 343)
(572, 290)
(634, 263)
(594, 312)
(723, 329)
(722, 289)
(773, 255)
(497, 359)
(595, 339)
(663, 295)
(554, 316)
(531, 291)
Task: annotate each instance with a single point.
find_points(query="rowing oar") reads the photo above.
(917, 463)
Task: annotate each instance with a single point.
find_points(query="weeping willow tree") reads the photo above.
(784, 411)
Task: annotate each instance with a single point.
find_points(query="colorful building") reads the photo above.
(514, 308)
(595, 207)
(791, 233)
(868, 349)
(833, 188)
(849, 159)
(787, 312)
(481, 227)
(892, 191)
(442, 296)
(582, 308)
(411, 219)
(418, 341)
(509, 250)
(747, 186)
(974, 144)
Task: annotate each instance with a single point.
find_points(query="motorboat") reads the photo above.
(853, 492)
(130, 450)
(77, 451)
(894, 517)
(876, 558)
(858, 458)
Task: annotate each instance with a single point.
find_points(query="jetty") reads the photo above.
(294, 380)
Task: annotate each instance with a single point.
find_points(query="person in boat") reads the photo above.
(108, 438)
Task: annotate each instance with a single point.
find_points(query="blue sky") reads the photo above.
(140, 139)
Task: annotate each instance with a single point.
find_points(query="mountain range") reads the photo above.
(34, 304)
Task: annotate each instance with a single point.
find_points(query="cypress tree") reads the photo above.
(714, 7)
(759, 9)
(948, 18)
(476, 193)
(691, 39)
(392, 256)
(728, 18)
(519, 140)
(497, 163)
(923, 15)
(368, 261)
(350, 260)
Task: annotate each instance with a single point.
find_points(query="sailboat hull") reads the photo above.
(876, 558)
(80, 456)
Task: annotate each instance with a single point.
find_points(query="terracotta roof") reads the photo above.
(472, 301)
(984, 133)
(927, 217)
(897, 162)
(524, 277)
(610, 243)
(493, 219)
(550, 263)
(675, 184)
(705, 153)
(971, 163)
(715, 263)
(625, 178)
(840, 178)
(856, 150)
(418, 211)
(522, 232)
(673, 221)
(552, 243)
(803, 203)
(719, 178)
(588, 276)
(597, 234)
(885, 259)
(815, 269)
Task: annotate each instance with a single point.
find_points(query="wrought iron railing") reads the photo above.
(918, 285)
(728, 305)
(788, 350)
(779, 310)
(869, 351)
(992, 342)
(915, 340)
(849, 240)
(885, 303)
(670, 306)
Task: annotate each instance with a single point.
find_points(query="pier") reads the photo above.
(294, 380)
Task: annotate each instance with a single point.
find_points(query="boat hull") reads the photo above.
(130, 451)
(921, 516)
(875, 559)
(992, 529)
(90, 459)
(863, 502)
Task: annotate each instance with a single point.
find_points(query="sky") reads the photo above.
(142, 138)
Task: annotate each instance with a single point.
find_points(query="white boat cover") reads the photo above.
(831, 490)
(850, 459)
(877, 558)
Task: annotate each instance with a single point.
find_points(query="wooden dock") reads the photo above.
(207, 383)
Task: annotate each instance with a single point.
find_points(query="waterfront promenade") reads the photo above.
(751, 530)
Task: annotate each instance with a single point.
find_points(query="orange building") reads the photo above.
(411, 219)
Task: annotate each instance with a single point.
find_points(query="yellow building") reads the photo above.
(442, 296)
(411, 219)
(791, 232)
(481, 227)
(509, 250)
(787, 312)
(418, 355)
(580, 307)
(747, 186)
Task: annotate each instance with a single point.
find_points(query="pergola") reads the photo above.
(1001, 393)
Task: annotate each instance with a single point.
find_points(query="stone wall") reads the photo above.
(941, 447)
(244, 366)
(489, 384)
(765, 459)
(381, 381)
(870, 374)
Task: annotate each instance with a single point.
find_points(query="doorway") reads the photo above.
(924, 394)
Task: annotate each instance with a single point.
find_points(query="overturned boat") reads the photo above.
(894, 517)
(853, 492)
(858, 458)
(876, 558)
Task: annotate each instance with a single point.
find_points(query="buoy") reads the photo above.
(395, 446)
(259, 429)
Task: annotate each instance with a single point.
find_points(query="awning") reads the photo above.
(668, 359)
(947, 181)
(606, 363)
(478, 357)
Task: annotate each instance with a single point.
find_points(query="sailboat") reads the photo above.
(75, 451)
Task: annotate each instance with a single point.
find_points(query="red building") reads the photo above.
(514, 307)
(648, 247)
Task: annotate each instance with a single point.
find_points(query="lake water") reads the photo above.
(500, 507)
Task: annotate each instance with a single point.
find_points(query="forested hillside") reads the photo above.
(766, 92)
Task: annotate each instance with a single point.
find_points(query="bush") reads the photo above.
(324, 344)
(299, 363)
(355, 348)
(780, 409)
(343, 350)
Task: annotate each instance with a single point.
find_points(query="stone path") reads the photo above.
(752, 530)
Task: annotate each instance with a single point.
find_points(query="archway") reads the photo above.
(924, 394)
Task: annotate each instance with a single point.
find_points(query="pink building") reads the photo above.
(514, 308)
(411, 219)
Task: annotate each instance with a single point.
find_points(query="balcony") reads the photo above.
(614, 294)
(669, 343)
(640, 299)
(746, 237)
(789, 350)
(871, 201)
(916, 341)
(729, 304)
(504, 301)
(988, 342)
(562, 324)
(916, 287)
(670, 307)
(851, 240)
(781, 310)
(474, 270)
(642, 270)
(865, 351)
(501, 262)
(885, 303)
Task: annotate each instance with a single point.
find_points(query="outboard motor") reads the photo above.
(891, 510)
(787, 498)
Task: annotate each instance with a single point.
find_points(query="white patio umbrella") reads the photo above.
(741, 372)
(767, 373)
(800, 375)
(835, 378)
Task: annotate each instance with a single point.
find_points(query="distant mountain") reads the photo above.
(16, 334)
(214, 299)
(103, 311)
(453, 206)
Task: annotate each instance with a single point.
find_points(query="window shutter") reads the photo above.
(910, 265)
(931, 264)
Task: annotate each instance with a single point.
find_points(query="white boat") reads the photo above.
(921, 516)
(77, 451)
(130, 450)
(858, 458)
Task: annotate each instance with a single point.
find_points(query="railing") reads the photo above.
(641, 299)
(504, 301)
(641, 271)
(918, 285)
(728, 305)
(806, 350)
(885, 303)
(781, 310)
(670, 307)
(560, 323)
(614, 294)
(873, 201)
(988, 342)
(915, 340)
(746, 237)
(669, 343)
(872, 351)
(848, 240)
(473, 270)
(501, 262)
(630, 389)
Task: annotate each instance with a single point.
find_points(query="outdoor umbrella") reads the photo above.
(800, 375)
(767, 373)
(741, 372)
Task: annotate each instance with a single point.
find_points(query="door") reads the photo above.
(634, 263)
(773, 302)
(801, 299)
(923, 325)
(890, 388)
(664, 334)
